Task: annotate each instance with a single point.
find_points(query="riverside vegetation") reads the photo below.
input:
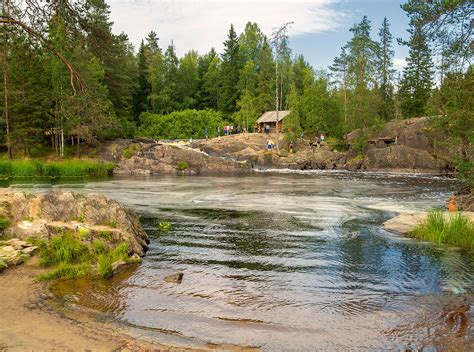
(456, 230)
(70, 258)
(54, 169)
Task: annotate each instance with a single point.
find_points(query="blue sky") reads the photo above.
(321, 27)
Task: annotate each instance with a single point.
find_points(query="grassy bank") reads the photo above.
(457, 230)
(54, 169)
(70, 258)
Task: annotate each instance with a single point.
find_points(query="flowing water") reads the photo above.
(286, 262)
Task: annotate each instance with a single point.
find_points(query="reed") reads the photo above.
(456, 230)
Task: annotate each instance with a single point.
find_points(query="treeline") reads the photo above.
(67, 77)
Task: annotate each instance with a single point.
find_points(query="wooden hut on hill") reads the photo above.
(270, 118)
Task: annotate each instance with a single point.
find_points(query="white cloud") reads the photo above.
(399, 64)
(202, 24)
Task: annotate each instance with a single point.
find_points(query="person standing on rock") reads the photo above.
(206, 132)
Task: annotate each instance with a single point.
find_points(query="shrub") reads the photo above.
(4, 223)
(127, 153)
(180, 124)
(182, 165)
(457, 230)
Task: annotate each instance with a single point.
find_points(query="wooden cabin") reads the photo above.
(270, 118)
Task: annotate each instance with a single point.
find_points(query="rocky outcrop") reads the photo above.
(465, 202)
(404, 158)
(162, 158)
(92, 216)
(403, 145)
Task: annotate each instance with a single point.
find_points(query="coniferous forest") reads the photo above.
(67, 79)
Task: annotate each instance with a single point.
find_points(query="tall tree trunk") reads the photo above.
(277, 101)
(5, 109)
(78, 146)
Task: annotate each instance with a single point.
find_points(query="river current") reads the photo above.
(285, 262)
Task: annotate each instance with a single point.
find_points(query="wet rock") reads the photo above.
(175, 278)
(29, 250)
(118, 266)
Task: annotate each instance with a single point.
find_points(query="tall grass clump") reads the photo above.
(457, 230)
(66, 168)
(70, 258)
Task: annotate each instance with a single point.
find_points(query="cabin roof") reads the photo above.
(270, 116)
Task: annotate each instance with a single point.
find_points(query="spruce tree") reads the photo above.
(417, 80)
(230, 73)
(385, 69)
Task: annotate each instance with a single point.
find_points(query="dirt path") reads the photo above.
(27, 324)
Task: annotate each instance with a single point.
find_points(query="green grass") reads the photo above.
(54, 169)
(4, 222)
(457, 230)
(70, 258)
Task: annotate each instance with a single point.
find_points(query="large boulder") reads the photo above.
(44, 215)
(401, 157)
(168, 159)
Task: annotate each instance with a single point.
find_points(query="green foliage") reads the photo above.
(66, 271)
(130, 151)
(67, 168)
(165, 226)
(108, 235)
(70, 258)
(107, 258)
(63, 249)
(417, 81)
(457, 230)
(4, 222)
(360, 143)
(336, 144)
(181, 124)
(182, 165)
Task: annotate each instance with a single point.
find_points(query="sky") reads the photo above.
(320, 29)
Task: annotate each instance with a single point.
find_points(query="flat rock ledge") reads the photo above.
(92, 216)
(405, 223)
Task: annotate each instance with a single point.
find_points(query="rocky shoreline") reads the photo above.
(399, 146)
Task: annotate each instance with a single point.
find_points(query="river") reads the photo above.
(295, 261)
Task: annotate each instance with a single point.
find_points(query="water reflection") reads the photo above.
(289, 263)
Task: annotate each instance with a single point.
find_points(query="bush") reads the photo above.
(457, 230)
(63, 249)
(182, 165)
(180, 124)
(127, 153)
(4, 223)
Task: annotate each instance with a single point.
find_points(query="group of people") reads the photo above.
(228, 130)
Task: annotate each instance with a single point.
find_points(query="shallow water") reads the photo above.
(286, 262)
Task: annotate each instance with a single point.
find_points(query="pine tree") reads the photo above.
(417, 80)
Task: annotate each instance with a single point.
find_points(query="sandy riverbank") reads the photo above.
(29, 324)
